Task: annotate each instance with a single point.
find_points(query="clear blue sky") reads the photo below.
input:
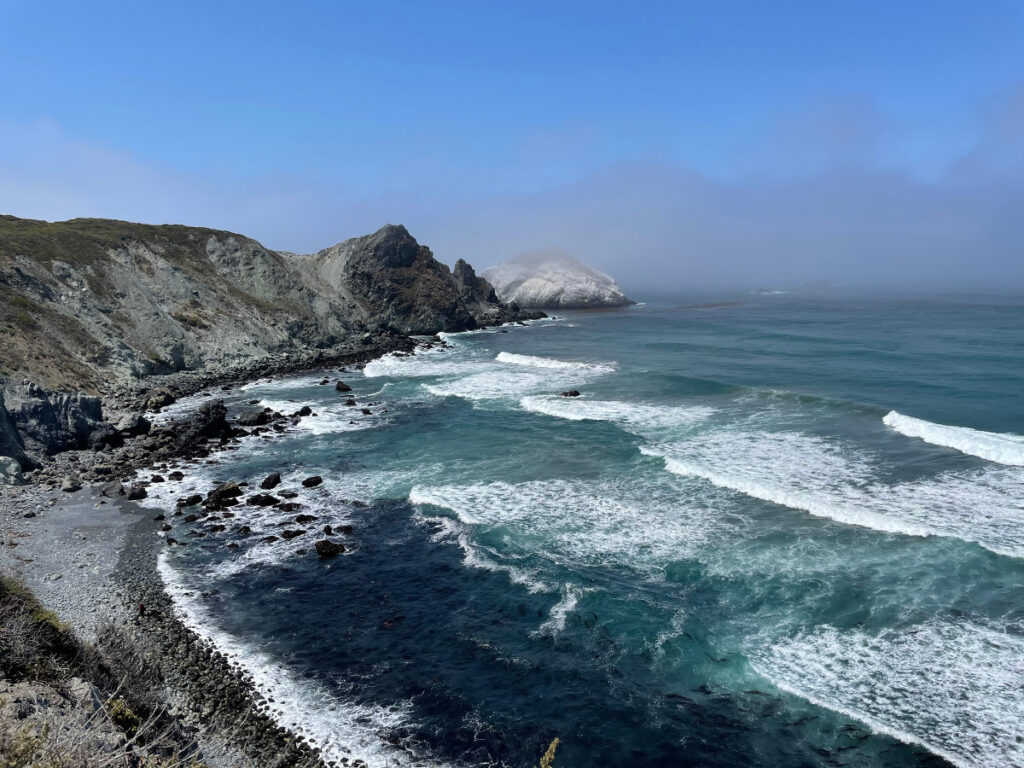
(302, 123)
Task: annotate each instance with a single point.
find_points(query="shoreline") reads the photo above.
(114, 544)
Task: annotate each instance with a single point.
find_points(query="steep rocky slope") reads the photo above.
(390, 280)
(555, 283)
(87, 303)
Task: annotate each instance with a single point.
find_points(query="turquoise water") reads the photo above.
(779, 533)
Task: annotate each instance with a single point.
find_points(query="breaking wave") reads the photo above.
(992, 446)
(819, 477)
(953, 688)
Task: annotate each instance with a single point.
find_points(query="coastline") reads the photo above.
(92, 557)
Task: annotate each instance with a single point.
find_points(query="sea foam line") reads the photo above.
(547, 362)
(338, 728)
(1002, 448)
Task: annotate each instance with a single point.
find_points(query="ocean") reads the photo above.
(775, 532)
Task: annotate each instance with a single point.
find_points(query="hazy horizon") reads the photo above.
(705, 146)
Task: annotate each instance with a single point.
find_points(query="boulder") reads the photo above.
(136, 492)
(190, 501)
(312, 481)
(303, 519)
(11, 443)
(222, 495)
(253, 417)
(271, 481)
(571, 393)
(70, 484)
(289, 534)
(10, 471)
(158, 399)
(133, 425)
(112, 490)
(341, 386)
(326, 548)
(105, 436)
(51, 422)
(262, 500)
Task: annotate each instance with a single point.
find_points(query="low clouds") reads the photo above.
(817, 203)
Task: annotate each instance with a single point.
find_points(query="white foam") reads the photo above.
(338, 728)
(634, 522)
(992, 446)
(476, 556)
(491, 385)
(550, 363)
(635, 417)
(819, 477)
(559, 613)
(954, 688)
(436, 361)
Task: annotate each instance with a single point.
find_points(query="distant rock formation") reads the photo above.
(557, 282)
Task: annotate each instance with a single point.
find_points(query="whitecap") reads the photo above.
(1002, 448)
(635, 417)
(827, 480)
(954, 688)
(512, 358)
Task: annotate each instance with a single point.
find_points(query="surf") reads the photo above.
(1001, 448)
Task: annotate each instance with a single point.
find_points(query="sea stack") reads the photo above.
(554, 282)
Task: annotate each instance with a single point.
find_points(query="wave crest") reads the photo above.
(992, 446)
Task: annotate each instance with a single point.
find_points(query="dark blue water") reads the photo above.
(778, 533)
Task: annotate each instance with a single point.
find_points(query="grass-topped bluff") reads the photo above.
(89, 303)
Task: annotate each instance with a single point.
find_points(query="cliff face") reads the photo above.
(88, 303)
(391, 281)
(558, 283)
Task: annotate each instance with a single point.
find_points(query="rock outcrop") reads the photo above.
(51, 422)
(554, 283)
(390, 281)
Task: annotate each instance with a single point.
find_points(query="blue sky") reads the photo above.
(483, 125)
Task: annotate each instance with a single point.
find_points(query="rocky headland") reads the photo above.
(556, 282)
(98, 315)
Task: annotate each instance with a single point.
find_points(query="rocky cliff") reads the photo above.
(390, 281)
(555, 283)
(91, 302)
(94, 304)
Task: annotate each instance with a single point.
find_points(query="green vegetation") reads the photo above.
(34, 643)
(123, 717)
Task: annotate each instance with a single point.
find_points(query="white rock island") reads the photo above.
(559, 282)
